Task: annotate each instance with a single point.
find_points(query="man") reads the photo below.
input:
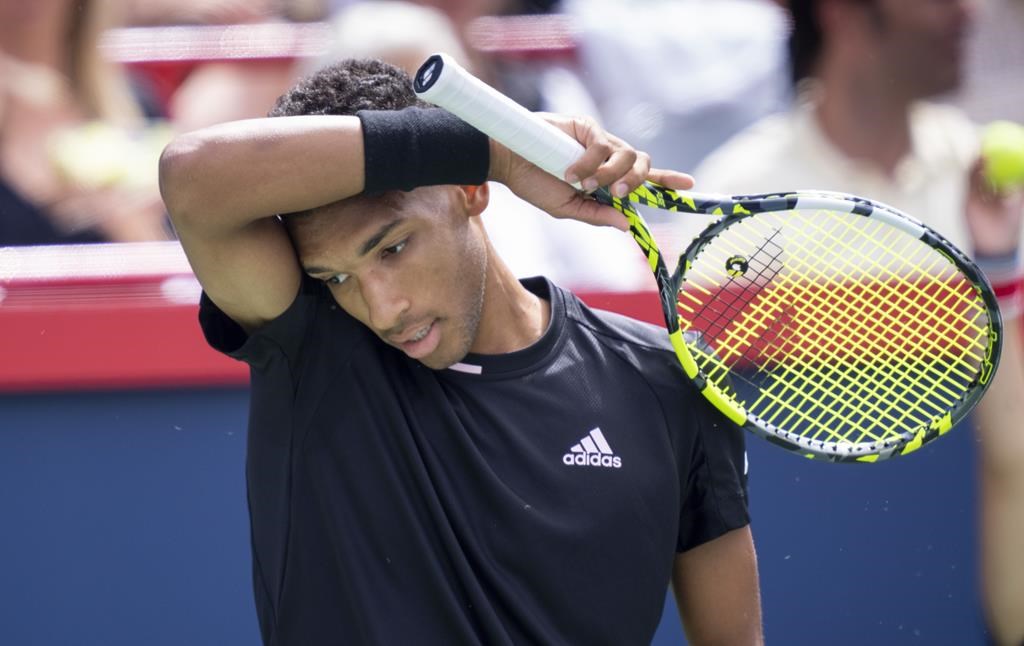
(438, 453)
(864, 70)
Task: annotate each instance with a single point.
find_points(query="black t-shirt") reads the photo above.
(537, 497)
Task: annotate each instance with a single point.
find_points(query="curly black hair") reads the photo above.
(346, 87)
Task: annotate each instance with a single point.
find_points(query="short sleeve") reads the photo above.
(715, 491)
(285, 335)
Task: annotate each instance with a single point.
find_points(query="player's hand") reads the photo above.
(993, 219)
(608, 162)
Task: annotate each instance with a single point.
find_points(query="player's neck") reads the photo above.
(864, 118)
(513, 318)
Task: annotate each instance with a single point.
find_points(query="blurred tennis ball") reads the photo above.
(1002, 146)
(99, 155)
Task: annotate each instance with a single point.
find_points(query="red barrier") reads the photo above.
(166, 55)
(103, 316)
(124, 316)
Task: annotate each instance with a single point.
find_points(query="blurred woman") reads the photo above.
(77, 156)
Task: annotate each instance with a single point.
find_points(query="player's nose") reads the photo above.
(385, 303)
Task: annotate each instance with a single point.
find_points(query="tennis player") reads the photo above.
(438, 452)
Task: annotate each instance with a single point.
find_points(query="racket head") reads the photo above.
(833, 326)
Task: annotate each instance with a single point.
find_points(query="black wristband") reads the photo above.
(406, 149)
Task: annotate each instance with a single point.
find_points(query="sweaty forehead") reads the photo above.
(342, 220)
(341, 230)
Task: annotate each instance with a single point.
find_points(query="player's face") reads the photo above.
(921, 42)
(410, 266)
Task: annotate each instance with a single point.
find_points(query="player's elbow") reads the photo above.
(181, 177)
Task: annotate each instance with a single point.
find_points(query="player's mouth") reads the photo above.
(420, 341)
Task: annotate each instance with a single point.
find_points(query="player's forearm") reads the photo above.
(717, 591)
(229, 175)
(999, 414)
(1002, 492)
(1002, 566)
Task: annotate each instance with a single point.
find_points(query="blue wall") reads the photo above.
(123, 522)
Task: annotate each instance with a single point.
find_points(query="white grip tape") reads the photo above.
(501, 118)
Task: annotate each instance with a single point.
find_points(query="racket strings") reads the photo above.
(854, 398)
(848, 392)
(795, 377)
(938, 272)
(797, 382)
(855, 389)
(738, 293)
(800, 382)
(824, 303)
(910, 312)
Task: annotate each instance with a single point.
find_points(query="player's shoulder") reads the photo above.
(622, 329)
(312, 321)
(639, 345)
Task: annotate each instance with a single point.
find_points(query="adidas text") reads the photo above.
(592, 459)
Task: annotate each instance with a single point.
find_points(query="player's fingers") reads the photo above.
(586, 209)
(599, 146)
(633, 176)
(671, 179)
(598, 149)
(624, 170)
(618, 168)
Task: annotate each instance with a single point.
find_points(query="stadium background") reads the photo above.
(123, 501)
(122, 445)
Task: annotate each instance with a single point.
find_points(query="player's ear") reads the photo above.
(477, 198)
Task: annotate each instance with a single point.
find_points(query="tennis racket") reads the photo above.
(828, 324)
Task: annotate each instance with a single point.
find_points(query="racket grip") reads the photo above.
(446, 84)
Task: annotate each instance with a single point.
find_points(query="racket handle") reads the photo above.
(446, 84)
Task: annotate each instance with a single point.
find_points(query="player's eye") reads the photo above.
(336, 279)
(394, 249)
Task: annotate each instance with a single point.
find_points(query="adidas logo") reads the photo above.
(593, 451)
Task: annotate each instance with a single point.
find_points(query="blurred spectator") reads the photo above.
(681, 77)
(156, 13)
(863, 70)
(862, 124)
(227, 90)
(517, 79)
(77, 162)
(573, 254)
(463, 12)
(995, 61)
(998, 422)
(994, 90)
(401, 33)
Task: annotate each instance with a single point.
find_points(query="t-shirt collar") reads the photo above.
(529, 358)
